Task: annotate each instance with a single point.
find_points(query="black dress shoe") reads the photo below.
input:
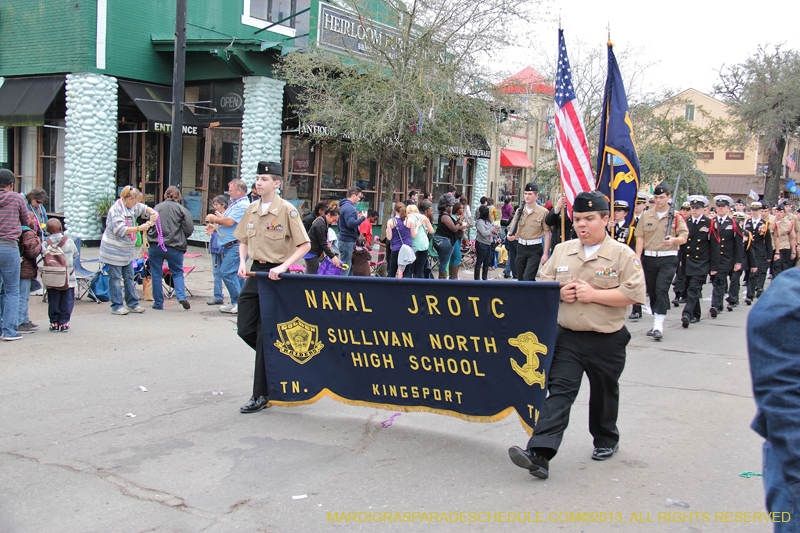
(650, 333)
(713, 311)
(254, 405)
(682, 301)
(537, 465)
(675, 302)
(748, 301)
(685, 321)
(601, 454)
(759, 292)
(694, 320)
(634, 316)
(185, 304)
(657, 334)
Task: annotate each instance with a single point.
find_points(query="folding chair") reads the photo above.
(166, 278)
(297, 269)
(375, 266)
(84, 277)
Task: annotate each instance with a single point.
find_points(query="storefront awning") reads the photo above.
(23, 101)
(514, 158)
(159, 115)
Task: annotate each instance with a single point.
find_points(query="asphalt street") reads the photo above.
(84, 449)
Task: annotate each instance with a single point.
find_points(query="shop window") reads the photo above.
(299, 185)
(192, 190)
(126, 157)
(224, 159)
(464, 172)
(367, 178)
(52, 159)
(26, 140)
(510, 178)
(335, 169)
(262, 13)
(441, 180)
(417, 178)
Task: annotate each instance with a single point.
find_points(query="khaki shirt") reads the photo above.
(653, 231)
(531, 226)
(782, 231)
(613, 266)
(271, 237)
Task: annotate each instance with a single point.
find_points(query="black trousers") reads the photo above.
(719, 282)
(59, 305)
(736, 283)
(694, 295)
(248, 323)
(755, 281)
(658, 274)
(529, 257)
(680, 285)
(602, 357)
(784, 263)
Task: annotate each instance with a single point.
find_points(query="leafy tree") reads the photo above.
(764, 96)
(418, 93)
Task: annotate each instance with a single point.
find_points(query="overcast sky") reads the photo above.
(686, 40)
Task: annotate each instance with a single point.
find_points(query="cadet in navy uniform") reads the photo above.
(622, 232)
(726, 251)
(679, 284)
(748, 259)
(697, 259)
(600, 278)
(761, 244)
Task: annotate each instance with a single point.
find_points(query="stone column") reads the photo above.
(479, 188)
(3, 139)
(90, 151)
(261, 124)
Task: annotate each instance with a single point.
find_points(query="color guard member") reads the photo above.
(679, 284)
(600, 278)
(622, 232)
(638, 209)
(271, 233)
(748, 260)
(659, 254)
(784, 242)
(532, 235)
(726, 252)
(697, 259)
(759, 227)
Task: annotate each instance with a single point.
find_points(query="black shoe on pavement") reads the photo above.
(675, 301)
(713, 311)
(748, 301)
(54, 327)
(634, 316)
(185, 304)
(657, 334)
(537, 465)
(601, 454)
(759, 292)
(729, 308)
(650, 333)
(254, 406)
(682, 300)
(64, 328)
(685, 321)
(694, 320)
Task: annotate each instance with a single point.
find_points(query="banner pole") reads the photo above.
(563, 213)
(611, 188)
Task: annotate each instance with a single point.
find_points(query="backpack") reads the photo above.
(55, 268)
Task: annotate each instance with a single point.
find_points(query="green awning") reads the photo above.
(24, 101)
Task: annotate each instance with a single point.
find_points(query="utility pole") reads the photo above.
(178, 79)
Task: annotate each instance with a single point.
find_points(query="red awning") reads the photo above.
(514, 158)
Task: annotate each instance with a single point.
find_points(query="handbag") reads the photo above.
(327, 268)
(213, 244)
(147, 289)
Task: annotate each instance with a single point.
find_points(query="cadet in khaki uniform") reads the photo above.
(531, 233)
(271, 233)
(659, 254)
(601, 278)
(784, 243)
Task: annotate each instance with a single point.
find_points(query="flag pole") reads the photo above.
(611, 188)
(560, 178)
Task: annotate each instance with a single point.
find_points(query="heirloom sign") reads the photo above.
(342, 31)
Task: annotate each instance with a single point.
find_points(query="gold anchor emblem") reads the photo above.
(529, 344)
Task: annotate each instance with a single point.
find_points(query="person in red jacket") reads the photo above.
(30, 248)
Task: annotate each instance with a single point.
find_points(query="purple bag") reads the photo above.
(327, 268)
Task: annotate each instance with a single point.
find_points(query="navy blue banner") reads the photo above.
(473, 350)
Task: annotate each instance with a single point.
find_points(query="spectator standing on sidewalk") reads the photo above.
(219, 203)
(227, 222)
(168, 241)
(60, 302)
(13, 215)
(349, 222)
(30, 249)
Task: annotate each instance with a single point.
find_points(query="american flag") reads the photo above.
(573, 151)
(790, 162)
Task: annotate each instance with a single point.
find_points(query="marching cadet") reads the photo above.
(697, 259)
(726, 252)
(761, 244)
(600, 278)
(783, 241)
(748, 260)
(532, 235)
(739, 206)
(679, 285)
(271, 233)
(622, 232)
(659, 254)
(638, 209)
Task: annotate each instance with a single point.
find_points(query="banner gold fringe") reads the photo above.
(405, 408)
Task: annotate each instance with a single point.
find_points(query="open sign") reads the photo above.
(231, 102)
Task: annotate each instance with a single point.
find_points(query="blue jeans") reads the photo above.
(779, 495)
(9, 271)
(444, 248)
(346, 255)
(24, 296)
(117, 275)
(175, 261)
(455, 258)
(419, 264)
(229, 271)
(217, 261)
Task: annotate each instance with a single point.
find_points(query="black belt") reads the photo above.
(235, 241)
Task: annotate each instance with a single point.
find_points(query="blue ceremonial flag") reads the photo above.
(791, 186)
(616, 148)
(472, 350)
